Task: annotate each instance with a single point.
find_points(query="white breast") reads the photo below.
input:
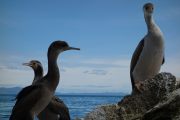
(150, 60)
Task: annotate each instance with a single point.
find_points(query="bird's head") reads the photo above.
(148, 9)
(60, 46)
(34, 64)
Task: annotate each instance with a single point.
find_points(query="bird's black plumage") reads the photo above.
(134, 60)
(33, 99)
(25, 92)
(56, 107)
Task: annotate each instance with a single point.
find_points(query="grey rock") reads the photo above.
(134, 106)
(160, 93)
(105, 112)
(177, 83)
(167, 109)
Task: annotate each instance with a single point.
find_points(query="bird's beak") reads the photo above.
(26, 64)
(72, 48)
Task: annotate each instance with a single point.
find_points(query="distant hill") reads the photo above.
(13, 90)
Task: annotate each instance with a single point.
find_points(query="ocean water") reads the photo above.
(79, 105)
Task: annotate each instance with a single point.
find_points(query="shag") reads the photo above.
(56, 109)
(32, 99)
(37, 68)
(149, 54)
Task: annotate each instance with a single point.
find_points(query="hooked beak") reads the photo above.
(26, 64)
(72, 48)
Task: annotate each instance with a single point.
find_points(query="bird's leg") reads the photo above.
(139, 88)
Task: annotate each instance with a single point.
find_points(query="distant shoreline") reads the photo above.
(75, 94)
(14, 90)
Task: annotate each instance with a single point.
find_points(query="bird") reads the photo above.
(32, 99)
(37, 68)
(56, 109)
(148, 56)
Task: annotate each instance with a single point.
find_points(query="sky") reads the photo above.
(107, 31)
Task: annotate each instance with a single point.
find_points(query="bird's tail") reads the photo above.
(64, 117)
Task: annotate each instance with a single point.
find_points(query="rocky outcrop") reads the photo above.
(160, 97)
(167, 109)
(106, 112)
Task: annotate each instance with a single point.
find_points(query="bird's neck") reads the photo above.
(152, 27)
(38, 74)
(53, 72)
(154, 31)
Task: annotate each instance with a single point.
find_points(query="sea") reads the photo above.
(79, 105)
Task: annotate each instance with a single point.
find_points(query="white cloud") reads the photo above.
(15, 77)
(108, 62)
(96, 72)
(112, 75)
(104, 75)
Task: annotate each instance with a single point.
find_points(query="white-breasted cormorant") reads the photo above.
(149, 54)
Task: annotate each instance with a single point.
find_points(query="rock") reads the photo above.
(106, 112)
(134, 106)
(167, 109)
(177, 83)
(158, 91)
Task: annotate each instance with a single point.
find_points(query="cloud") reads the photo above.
(63, 70)
(96, 72)
(2, 67)
(12, 62)
(11, 67)
(15, 77)
(92, 74)
(85, 75)
(107, 62)
(117, 79)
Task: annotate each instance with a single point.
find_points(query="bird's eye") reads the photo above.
(64, 45)
(146, 7)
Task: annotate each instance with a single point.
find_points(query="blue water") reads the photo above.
(79, 105)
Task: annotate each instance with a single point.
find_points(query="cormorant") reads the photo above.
(56, 109)
(32, 99)
(149, 54)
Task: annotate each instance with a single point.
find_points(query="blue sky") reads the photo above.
(106, 31)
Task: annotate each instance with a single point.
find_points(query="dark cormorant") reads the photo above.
(37, 68)
(33, 99)
(56, 109)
